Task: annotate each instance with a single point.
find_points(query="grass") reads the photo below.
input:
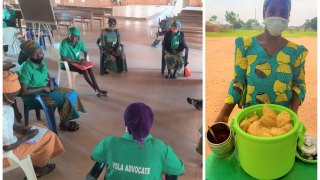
(251, 33)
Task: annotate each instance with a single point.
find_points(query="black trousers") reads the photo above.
(9, 24)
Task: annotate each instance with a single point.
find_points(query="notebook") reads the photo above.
(35, 139)
(83, 67)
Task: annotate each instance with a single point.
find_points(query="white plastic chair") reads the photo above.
(8, 38)
(25, 164)
(55, 55)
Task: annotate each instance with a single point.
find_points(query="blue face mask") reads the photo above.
(111, 28)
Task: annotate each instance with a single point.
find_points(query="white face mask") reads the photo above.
(276, 25)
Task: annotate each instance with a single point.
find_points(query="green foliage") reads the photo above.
(251, 33)
(313, 23)
(213, 18)
(250, 24)
(231, 18)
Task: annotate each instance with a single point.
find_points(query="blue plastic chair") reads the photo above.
(49, 111)
(102, 58)
(163, 63)
(42, 40)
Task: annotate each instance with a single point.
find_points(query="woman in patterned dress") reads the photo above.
(268, 68)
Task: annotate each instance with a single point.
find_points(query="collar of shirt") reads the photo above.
(34, 66)
(70, 43)
(128, 136)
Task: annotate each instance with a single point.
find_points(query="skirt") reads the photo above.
(73, 69)
(115, 63)
(66, 100)
(175, 62)
(48, 147)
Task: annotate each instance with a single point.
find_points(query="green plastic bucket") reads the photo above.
(267, 157)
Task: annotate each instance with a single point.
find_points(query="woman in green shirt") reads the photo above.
(137, 155)
(70, 51)
(115, 60)
(174, 44)
(36, 80)
(268, 69)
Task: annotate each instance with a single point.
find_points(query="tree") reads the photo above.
(313, 23)
(307, 25)
(231, 17)
(213, 18)
(250, 24)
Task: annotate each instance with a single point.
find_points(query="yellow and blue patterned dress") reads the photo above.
(259, 78)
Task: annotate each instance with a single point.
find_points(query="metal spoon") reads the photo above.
(212, 133)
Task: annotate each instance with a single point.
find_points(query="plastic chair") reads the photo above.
(8, 38)
(49, 111)
(42, 38)
(163, 63)
(25, 164)
(102, 56)
(55, 55)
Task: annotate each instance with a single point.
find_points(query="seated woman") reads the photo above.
(14, 137)
(137, 155)
(115, 60)
(35, 79)
(174, 44)
(70, 50)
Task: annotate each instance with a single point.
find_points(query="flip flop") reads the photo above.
(168, 76)
(194, 102)
(50, 166)
(104, 93)
(175, 76)
(73, 126)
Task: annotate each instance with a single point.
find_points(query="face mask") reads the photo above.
(37, 61)
(111, 28)
(276, 25)
(175, 30)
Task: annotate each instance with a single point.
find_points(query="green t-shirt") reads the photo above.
(4, 24)
(66, 49)
(7, 16)
(128, 160)
(29, 73)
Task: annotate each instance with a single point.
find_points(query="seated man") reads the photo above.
(137, 155)
(70, 50)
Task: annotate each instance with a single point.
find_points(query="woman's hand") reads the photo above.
(30, 134)
(51, 88)
(225, 113)
(174, 52)
(20, 129)
(82, 61)
(222, 118)
(46, 89)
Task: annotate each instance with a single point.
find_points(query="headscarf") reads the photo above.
(6, 3)
(177, 22)
(266, 3)
(26, 48)
(11, 82)
(138, 118)
(112, 20)
(74, 31)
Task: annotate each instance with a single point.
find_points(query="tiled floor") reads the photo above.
(176, 122)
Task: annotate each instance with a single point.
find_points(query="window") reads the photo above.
(71, 1)
(57, 1)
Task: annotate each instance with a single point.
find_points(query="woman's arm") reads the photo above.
(225, 113)
(181, 43)
(295, 102)
(28, 135)
(25, 91)
(51, 86)
(68, 60)
(167, 42)
(118, 40)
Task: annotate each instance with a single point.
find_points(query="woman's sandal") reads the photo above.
(193, 102)
(168, 76)
(73, 126)
(49, 168)
(175, 76)
(104, 93)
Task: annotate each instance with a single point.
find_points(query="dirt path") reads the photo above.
(219, 73)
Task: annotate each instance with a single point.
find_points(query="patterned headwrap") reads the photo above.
(177, 22)
(266, 2)
(10, 82)
(26, 48)
(74, 31)
(138, 118)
